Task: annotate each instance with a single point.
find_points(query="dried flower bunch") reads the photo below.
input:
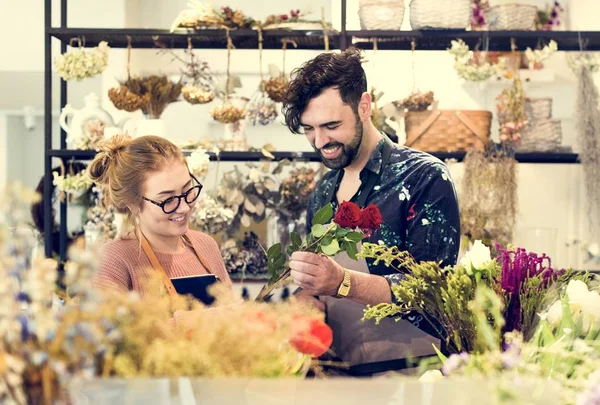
(549, 18)
(292, 17)
(479, 7)
(261, 109)
(488, 197)
(276, 88)
(75, 184)
(198, 162)
(125, 100)
(535, 58)
(510, 106)
(197, 95)
(468, 66)
(201, 15)
(415, 102)
(246, 259)
(92, 134)
(211, 216)
(81, 63)
(295, 191)
(589, 60)
(156, 93)
(100, 221)
(227, 113)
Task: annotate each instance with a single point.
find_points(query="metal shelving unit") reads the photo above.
(248, 39)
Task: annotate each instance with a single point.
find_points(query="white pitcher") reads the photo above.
(90, 111)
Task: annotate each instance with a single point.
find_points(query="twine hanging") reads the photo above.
(325, 29)
(227, 113)
(261, 109)
(194, 93)
(276, 87)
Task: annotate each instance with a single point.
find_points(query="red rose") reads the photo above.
(348, 215)
(311, 336)
(370, 218)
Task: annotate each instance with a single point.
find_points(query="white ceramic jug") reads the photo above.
(90, 111)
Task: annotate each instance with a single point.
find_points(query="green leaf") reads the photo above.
(439, 354)
(351, 250)
(323, 216)
(274, 250)
(296, 240)
(341, 232)
(326, 241)
(280, 261)
(318, 230)
(354, 237)
(331, 249)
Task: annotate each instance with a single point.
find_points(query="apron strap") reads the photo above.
(158, 267)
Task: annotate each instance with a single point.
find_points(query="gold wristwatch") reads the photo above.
(344, 289)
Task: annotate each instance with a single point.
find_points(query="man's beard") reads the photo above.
(348, 153)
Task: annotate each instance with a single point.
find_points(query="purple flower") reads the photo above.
(455, 362)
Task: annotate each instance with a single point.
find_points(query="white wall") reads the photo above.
(551, 196)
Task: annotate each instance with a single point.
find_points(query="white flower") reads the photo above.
(554, 314)
(477, 258)
(198, 162)
(431, 376)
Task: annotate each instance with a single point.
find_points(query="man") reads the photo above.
(327, 100)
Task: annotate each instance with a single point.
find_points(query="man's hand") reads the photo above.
(316, 274)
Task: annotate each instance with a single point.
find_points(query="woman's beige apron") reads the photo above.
(358, 342)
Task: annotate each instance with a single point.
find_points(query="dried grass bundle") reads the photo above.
(488, 200)
(587, 118)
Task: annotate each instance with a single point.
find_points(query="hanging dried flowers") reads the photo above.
(156, 93)
(211, 216)
(415, 102)
(276, 88)
(589, 60)
(587, 118)
(488, 197)
(536, 58)
(261, 108)
(245, 259)
(295, 191)
(199, 81)
(510, 105)
(92, 134)
(125, 100)
(472, 68)
(228, 113)
(81, 63)
(74, 184)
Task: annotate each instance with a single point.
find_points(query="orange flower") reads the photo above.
(311, 336)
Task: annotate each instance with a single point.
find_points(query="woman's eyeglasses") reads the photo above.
(171, 204)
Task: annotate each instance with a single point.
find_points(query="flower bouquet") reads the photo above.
(329, 235)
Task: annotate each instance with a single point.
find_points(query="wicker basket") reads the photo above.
(512, 17)
(381, 14)
(448, 130)
(440, 14)
(538, 109)
(542, 136)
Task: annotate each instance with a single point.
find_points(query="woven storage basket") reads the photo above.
(381, 14)
(512, 17)
(440, 14)
(538, 109)
(541, 136)
(448, 130)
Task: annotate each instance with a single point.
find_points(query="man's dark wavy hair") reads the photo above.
(343, 71)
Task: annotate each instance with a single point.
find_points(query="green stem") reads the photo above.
(307, 248)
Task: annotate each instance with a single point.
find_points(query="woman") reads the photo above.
(148, 180)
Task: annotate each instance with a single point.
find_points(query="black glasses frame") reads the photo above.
(178, 197)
